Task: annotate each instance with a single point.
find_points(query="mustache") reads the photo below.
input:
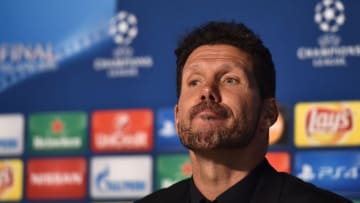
(216, 108)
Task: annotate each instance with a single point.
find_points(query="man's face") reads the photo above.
(219, 105)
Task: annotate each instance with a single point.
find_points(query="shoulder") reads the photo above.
(296, 190)
(177, 192)
(278, 187)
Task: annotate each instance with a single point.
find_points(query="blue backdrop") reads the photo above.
(88, 55)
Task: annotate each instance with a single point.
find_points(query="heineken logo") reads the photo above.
(58, 131)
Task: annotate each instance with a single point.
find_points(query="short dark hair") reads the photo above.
(235, 34)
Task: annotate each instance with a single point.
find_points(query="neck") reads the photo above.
(216, 171)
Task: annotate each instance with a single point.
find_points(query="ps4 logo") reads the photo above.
(340, 172)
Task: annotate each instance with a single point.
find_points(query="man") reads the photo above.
(226, 105)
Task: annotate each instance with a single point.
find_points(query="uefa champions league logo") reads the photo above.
(331, 52)
(329, 15)
(123, 28)
(123, 62)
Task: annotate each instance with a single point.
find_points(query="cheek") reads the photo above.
(243, 108)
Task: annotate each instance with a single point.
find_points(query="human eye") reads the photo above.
(231, 80)
(193, 83)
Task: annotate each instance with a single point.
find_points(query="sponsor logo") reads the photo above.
(327, 124)
(166, 137)
(277, 132)
(171, 169)
(11, 134)
(279, 160)
(123, 130)
(59, 178)
(121, 177)
(58, 131)
(329, 16)
(323, 120)
(11, 178)
(123, 29)
(334, 170)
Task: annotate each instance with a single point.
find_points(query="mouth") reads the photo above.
(209, 115)
(209, 112)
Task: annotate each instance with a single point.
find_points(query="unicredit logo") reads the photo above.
(122, 130)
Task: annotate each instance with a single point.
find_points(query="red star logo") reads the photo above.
(57, 126)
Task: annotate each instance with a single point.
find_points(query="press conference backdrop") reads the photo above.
(87, 89)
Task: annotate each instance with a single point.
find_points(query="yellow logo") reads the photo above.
(277, 130)
(11, 179)
(327, 124)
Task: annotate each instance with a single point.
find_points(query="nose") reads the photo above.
(210, 92)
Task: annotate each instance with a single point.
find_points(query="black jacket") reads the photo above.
(273, 187)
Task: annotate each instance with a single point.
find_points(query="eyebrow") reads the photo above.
(193, 69)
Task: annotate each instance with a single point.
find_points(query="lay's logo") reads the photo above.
(323, 121)
(11, 179)
(327, 124)
(6, 178)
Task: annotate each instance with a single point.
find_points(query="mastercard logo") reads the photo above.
(277, 129)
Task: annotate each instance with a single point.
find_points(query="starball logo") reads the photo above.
(123, 28)
(327, 124)
(329, 16)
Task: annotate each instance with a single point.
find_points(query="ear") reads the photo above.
(176, 111)
(270, 112)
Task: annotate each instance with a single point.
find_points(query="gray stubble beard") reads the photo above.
(234, 137)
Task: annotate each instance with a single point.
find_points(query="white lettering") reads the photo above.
(61, 142)
(120, 140)
(141, 61)
(56, 178)
(329, 121)
(318, 52)
(16, 53)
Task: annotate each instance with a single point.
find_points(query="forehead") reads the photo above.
(219, 53)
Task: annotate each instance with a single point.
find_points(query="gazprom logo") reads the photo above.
(121, 176)
(105, 183)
